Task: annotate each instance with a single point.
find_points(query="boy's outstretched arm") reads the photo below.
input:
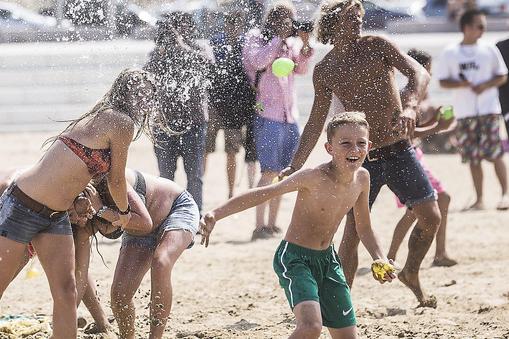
(364, 229)
(248, 199)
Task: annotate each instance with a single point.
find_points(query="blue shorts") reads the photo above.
(276, 142)
(404, 175)
(184, 215)
(21, 224)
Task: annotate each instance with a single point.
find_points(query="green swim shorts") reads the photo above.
(307, 274)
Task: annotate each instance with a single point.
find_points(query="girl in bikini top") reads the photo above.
(98, 161)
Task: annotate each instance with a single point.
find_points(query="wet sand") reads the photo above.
(230, 291)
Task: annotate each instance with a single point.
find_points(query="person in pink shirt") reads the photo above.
(276, 130)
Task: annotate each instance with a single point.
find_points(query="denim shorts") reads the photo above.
(276, 142)
(21, 224)
(184, 215)
(404, 175)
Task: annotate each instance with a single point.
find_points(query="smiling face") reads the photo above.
(348, 146)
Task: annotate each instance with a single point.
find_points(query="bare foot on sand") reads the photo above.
(503, 205)
(411, 280)
(476, 206)
(444, 262)
(105, 332)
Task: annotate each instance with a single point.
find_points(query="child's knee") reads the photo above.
(310, 328)
(162, 263)
(65, 290)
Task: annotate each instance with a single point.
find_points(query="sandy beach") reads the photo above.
(229, 290)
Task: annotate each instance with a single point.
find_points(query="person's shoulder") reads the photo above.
(362, 176)
(451, 48)
(312, 175)
(120, 120)
(374, 41)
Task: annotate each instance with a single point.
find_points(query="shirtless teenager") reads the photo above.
(305, 262)
(359, 70)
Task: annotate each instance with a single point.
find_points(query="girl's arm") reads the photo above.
(120, 139)
(140, 222)
(261, 56)
(304, 55)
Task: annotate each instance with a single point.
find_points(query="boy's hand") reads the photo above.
(383, 271)
(405, 123)
(444, 124)
(207, 223)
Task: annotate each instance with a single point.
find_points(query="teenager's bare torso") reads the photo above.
(320, 208)
(364, 81)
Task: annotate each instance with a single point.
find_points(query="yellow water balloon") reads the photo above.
(282, 67)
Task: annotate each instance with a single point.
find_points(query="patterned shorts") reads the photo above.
(479, 138)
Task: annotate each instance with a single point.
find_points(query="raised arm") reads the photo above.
(304, 55)
(248, 199)
(418, 77)
(314, 125)
(415, 89)
(121, 136)
(261, 56)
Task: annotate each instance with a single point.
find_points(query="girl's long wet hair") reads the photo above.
(129, 82)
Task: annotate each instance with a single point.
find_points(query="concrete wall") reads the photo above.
(43, 82)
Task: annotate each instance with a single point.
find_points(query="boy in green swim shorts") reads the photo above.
(307, 266)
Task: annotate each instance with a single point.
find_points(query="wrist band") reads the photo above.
(101, 211)
(126, 212)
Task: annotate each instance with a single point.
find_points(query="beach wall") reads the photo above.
(44, 82)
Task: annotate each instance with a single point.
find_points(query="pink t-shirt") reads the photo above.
(276, 96)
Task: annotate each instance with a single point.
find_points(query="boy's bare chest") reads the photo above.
(334, 202)
(355, 75)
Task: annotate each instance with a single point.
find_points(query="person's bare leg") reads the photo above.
(344, 333)
(477, 178)
(273, 211)
(309, 320)
(265, 180)
(56, 255)
(348, 249)
(402, 227)
(251, 173)
(501, 172)
(82, 255)
(132, 265)
(441, 256)
(13, 257)
(93, 304)
(428, 221)
(166, 255)
(231, 171)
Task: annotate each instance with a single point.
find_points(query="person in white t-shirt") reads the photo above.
(473, 71)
